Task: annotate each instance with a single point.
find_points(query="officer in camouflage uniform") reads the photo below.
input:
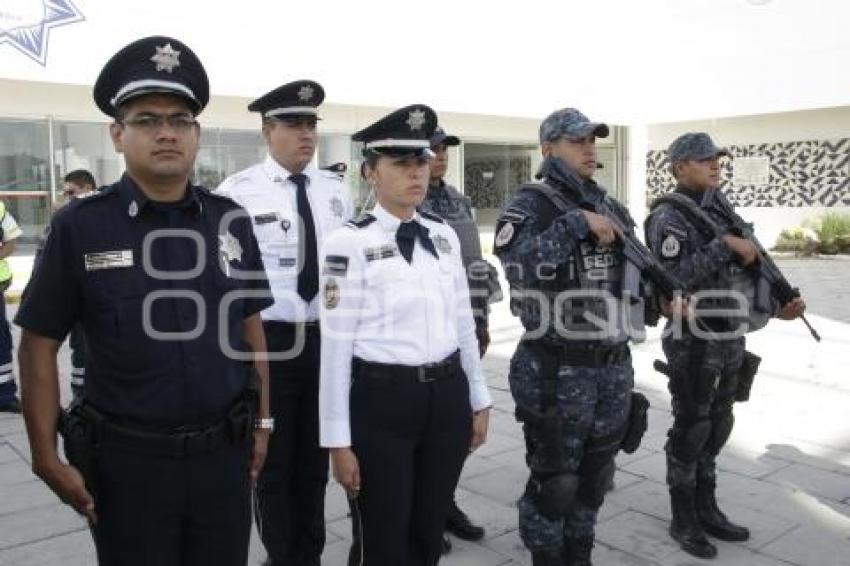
(706, 356)
(571, 375)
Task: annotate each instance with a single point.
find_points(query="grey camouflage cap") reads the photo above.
(570, 123)
(694, 145)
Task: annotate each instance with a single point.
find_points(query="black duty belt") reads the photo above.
(585, 356)
(178, 442)
(447, 368)
(307, 325)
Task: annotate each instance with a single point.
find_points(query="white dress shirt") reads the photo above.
(380, 308)
(268, 195)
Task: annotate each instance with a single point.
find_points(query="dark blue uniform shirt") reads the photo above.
(109, 263)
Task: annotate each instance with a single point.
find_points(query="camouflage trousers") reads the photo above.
(593, 404)
(703, 392)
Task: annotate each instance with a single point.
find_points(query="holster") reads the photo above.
(79, 443)
(746, 375)
(637, 423)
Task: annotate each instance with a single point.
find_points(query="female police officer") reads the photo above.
(402, 397)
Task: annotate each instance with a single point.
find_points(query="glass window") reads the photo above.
(25, 174)
(493, 172)
(225, 152)
(87, 146)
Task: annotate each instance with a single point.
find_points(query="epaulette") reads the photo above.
(335, 171)
(95, 195)
(361, 221)
(433, 217)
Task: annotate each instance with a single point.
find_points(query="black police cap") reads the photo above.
(407, 131)
(440, 137)
(295, 99)
(155, 64)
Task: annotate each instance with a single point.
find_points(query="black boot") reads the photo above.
(685, 527)
(577, 551)
(548, 556)
(712, 518)
(460, 526)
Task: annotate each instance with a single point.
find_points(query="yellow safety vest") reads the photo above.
(5, 270)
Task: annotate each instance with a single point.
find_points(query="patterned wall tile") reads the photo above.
(801, 173)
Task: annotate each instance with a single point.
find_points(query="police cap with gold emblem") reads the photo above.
(407, 131)
(150, 65)
(292, 100)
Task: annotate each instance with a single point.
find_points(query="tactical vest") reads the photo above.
(748, 288)
(585, 294)
(456, 210)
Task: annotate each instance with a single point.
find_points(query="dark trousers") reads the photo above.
(410, 439)
(163, 511)
(8, 388)
(291, 487)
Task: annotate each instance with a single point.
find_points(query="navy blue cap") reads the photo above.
(570, 123)
(407, 131)
(440, 137)
(295, 99)
(155, 64)
(694, 145)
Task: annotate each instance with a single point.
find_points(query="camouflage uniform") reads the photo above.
(448, 203)
(544, 253)
(703, 369)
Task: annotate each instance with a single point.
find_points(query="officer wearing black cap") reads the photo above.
(445, 201)
(167, 282)
(571, 375)
(293, 207)
(707, 359)
(403, 399)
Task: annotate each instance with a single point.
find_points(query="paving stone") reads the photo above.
(816, 482)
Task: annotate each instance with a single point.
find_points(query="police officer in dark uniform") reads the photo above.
(571, 375)
(706, 356)
(167, 283)
(403, 399)
(445, 201)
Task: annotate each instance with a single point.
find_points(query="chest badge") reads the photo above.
(442, 243)
(332, 293)
(229, 249)
(337, 209)
(670, 247)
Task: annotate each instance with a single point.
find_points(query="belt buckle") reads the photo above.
(422, 374)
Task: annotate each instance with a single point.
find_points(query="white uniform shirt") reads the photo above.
(268, 195)
(379, 308)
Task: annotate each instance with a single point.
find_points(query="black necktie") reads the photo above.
(308, 277)
(406, 235)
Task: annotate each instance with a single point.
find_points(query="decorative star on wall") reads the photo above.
(26, 24)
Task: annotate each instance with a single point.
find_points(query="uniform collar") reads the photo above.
(390, 222)
(698, 197)
(278, 173)
(136, 202)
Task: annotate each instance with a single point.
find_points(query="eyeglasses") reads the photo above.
(153, 123)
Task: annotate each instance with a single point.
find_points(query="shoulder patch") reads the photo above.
(433, 217)
(361, 221)
(671, 229)
(670, 247)
(513, 215)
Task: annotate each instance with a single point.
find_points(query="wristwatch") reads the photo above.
(264, 424)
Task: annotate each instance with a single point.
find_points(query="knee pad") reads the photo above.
(595, 484)
(554, 495)
(687, 441)
(721, 428)
(597, 469)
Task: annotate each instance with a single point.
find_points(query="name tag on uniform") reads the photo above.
(381, 252)
(287, 261)
(109, 260)
(267, 218)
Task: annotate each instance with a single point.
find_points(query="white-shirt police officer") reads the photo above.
(293, 207)
(403, 399)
